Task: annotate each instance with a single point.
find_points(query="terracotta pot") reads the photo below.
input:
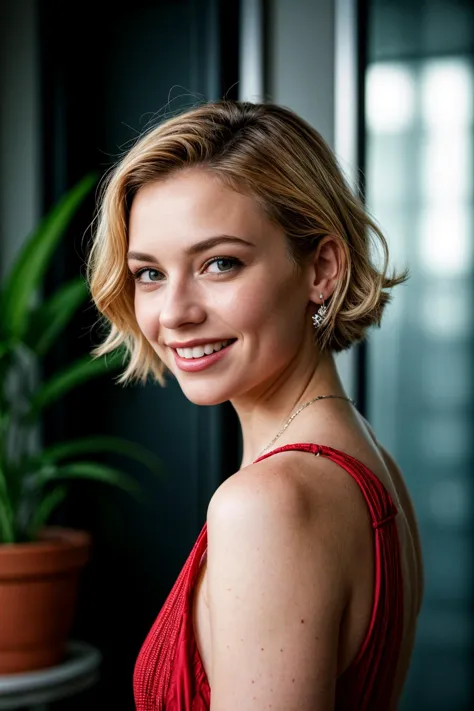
(38, 592)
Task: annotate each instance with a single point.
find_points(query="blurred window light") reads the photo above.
(445, 243)
(393, 185)
(446, 377)
(447, 92)
(446, 314)
(449, 573)
(450, 502)
(447, 166)
(445, 436)
(445, 626)
(390, 97)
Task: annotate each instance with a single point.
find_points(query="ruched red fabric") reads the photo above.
(169, 674)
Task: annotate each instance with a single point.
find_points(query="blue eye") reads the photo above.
(224, 264)
(217, 265)
(153, 275)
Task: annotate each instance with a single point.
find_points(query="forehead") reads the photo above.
(194, 205)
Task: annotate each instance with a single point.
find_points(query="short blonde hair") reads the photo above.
(272, 154)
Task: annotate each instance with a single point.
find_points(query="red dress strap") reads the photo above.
(368, 681)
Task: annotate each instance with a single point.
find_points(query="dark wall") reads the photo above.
(106, 74)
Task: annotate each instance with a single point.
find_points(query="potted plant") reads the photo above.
(40, 564)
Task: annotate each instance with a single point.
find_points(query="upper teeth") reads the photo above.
(199, 351)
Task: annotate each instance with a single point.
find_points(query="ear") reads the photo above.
(326, 268)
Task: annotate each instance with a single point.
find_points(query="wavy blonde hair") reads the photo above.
(266, 151)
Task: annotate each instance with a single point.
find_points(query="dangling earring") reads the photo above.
(319, 316)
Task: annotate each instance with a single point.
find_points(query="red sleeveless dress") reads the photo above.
(169, 674)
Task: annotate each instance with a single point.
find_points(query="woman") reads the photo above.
(230, 252)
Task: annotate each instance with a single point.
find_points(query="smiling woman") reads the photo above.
(231, 254)
(260, 150)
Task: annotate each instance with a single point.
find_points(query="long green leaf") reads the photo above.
(33, 259)
(97, 444)
(6, 523)
(6, 530)
(97, 472)
(48, 320)
(49, 503)
(77, 373)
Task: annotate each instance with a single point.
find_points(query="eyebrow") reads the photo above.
(195, 248)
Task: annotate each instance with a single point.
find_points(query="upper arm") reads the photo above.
(275, 602)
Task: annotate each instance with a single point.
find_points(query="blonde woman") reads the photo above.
(230, 253)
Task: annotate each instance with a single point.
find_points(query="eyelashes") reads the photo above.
(140, 272)
(232, 264)
(233, 261)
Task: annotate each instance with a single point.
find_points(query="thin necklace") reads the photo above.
(290, 419)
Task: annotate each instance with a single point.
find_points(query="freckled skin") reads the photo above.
(191, 301)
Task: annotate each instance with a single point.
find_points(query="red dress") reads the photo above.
(169, 674)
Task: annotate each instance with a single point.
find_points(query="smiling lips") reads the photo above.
(205, 349)
(201, 356)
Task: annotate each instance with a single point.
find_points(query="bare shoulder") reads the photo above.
(268, 488)
(291, 498)
(262, 508)
(276, 590)
(291, 486)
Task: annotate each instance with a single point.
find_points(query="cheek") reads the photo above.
(146, 317)
(264, 305)
(244, 306)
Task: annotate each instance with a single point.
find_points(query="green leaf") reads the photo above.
(75, 374)
(49, 502)
(6, 525)
(97, 444)
(4, 348)
(33, 259)
(7, 348)
(48, 320)
(6, 529)
(92, 470)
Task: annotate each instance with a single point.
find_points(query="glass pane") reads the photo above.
(420, 175)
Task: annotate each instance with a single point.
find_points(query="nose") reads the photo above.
(180, 306)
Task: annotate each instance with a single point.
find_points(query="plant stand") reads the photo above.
(36, 690)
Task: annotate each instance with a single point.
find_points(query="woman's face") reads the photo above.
(216, 293)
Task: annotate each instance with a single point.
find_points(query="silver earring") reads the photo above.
(318, 317)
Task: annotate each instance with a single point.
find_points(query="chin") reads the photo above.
(204, 394)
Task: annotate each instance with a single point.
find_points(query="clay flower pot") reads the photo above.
(38, 592)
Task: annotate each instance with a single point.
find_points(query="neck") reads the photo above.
(262, 416)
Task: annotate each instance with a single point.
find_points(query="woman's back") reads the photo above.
(327, 484)
(359, 507)
(411, 557)
(352, 434)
